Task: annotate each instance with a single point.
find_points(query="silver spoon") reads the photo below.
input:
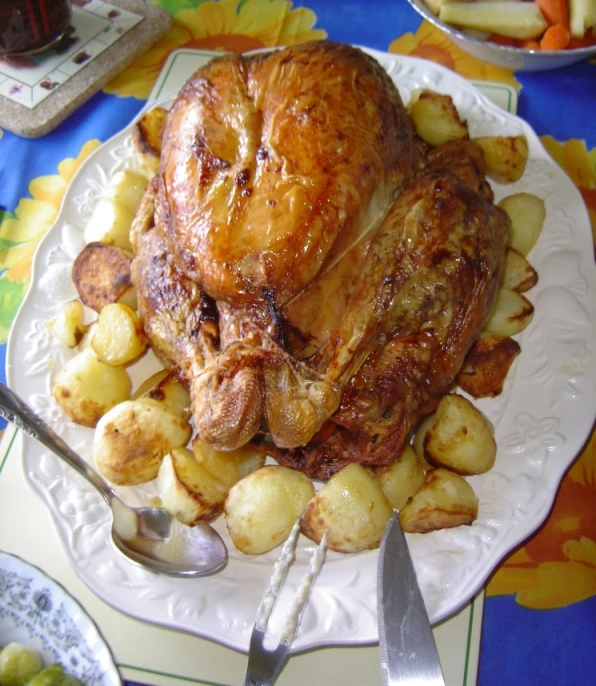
(149, 536)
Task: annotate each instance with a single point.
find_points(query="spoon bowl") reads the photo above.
(148, 536)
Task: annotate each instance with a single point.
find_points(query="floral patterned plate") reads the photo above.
(541, 420)
(37, 612)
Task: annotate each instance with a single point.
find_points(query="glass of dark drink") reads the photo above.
(30, 26)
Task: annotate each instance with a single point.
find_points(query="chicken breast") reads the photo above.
(273, 165)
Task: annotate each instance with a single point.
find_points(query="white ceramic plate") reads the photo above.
(39, 613)
(541, 420)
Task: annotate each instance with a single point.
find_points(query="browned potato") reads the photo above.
(86, 388)
(445, 500)
(352, 507)
(418, 442)
(118, 337)
(511, 313)
(187, 490)
(518, 274)
(164, 390)
(401, 479)
(487, 365)
(131, 440)
(505, 156)
(193, 485)
(101, 274)
(435, 118)
(69, 324)
(146, 137)
(262, 508)
(527, 213)
(460, 437)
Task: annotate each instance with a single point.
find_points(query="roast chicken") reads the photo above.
(313, 272)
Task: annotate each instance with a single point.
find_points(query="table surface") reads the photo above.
(539, 614)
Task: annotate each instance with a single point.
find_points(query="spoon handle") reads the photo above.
(15, 410)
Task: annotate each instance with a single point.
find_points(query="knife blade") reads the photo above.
(406, 642)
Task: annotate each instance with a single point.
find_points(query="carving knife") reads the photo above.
(406, 642)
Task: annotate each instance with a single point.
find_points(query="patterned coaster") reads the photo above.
(40, 91)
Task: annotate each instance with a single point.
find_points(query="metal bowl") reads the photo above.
(516, 59)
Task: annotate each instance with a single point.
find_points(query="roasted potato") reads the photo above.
(127, 187)
(435, 118)
(119, 337)
(230, 466)
(511, 313)
(101, 274)
(460, 437)
(352, 507)
(445, 500)
(418, 443)
(401, 479)
(132, 438)
(527, 213)
(69, 324)
(163, 389)
(110, 223)
(85, 341)
(487, 364)
(193, 485)
(262, 508)
(518, 274)
(505, 156)
(146, 137)
(86, 388)
(187, 490)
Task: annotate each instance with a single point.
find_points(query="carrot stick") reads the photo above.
(556, 37)
(554, 11)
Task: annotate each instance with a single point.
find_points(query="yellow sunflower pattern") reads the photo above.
(230, 25)
(21, 232)
(557, 566)
(580, 164)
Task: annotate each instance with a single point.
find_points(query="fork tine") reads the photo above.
(264, 666)
(280, 571)
(288, 632)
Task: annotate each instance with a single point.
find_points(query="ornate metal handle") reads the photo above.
(16, 411)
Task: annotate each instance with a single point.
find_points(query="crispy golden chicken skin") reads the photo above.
(272, 165)
(315, 276)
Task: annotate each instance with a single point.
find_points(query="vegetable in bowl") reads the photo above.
(535, 25)
(519, 35)
(21, 665)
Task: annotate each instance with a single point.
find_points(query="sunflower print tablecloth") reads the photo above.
(540, 611)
